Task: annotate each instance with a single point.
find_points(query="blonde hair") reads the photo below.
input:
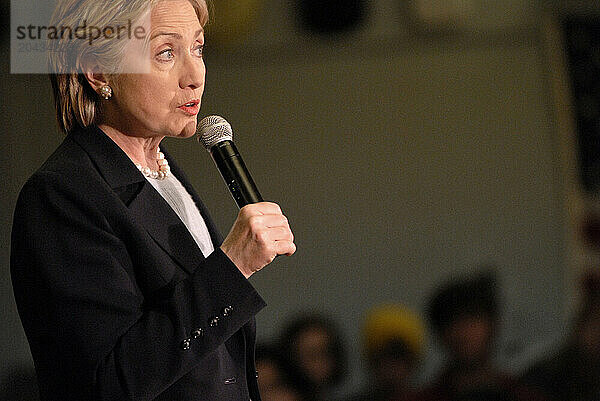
(77, 104)
(390, 322)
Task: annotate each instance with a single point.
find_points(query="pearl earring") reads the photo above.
(106, 92)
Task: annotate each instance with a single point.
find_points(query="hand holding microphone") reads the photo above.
(259, 234)
(261, 231)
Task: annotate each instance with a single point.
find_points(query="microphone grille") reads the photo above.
(212, 130)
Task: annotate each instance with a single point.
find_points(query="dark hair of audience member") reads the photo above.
(474, 296)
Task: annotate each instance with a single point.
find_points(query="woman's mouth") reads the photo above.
(191, 108)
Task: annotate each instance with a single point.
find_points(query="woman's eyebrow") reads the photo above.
(174, 34)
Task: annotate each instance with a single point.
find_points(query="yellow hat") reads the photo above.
(393, 322)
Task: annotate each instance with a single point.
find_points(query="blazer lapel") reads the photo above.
(166, 228)
(147, 206)
(215, 234)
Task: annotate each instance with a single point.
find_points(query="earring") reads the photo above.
(106, 92)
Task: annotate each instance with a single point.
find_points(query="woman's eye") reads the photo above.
(165, 55)
(199, 50)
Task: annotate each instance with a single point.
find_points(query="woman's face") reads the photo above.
(313, 354)
(165, 101)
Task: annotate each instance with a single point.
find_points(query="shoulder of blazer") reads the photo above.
(88, 163)
(88, 160)
(89, 153)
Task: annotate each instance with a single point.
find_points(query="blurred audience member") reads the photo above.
(313, 355)
(464, 315)
(573, 373)
(272, 382)
(393, 344)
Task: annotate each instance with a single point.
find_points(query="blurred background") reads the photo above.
(410, 142)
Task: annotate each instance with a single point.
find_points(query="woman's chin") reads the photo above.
(188, 130)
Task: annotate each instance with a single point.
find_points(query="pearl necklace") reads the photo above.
(163, 167)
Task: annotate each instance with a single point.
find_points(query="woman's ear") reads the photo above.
(96, 79)
(99, 82)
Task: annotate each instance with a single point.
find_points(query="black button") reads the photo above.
(185, 344)
(227, 310)
(198, 333)
(214, 321)
(231, 380)
(256, 373)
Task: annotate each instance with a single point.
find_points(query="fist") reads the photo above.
(259, 234)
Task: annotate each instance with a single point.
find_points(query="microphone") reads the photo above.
(215, 133)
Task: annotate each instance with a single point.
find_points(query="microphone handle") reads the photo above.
(235, 174)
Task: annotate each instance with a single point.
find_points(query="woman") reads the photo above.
(314, 357)
(123, 284)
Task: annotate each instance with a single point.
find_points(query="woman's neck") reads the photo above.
(140, 150)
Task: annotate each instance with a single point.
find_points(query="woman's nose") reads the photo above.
(192, 73)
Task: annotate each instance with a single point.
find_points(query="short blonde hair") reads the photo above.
(393, 322)
(77, 104)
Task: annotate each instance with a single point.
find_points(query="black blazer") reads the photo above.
(116, 298)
